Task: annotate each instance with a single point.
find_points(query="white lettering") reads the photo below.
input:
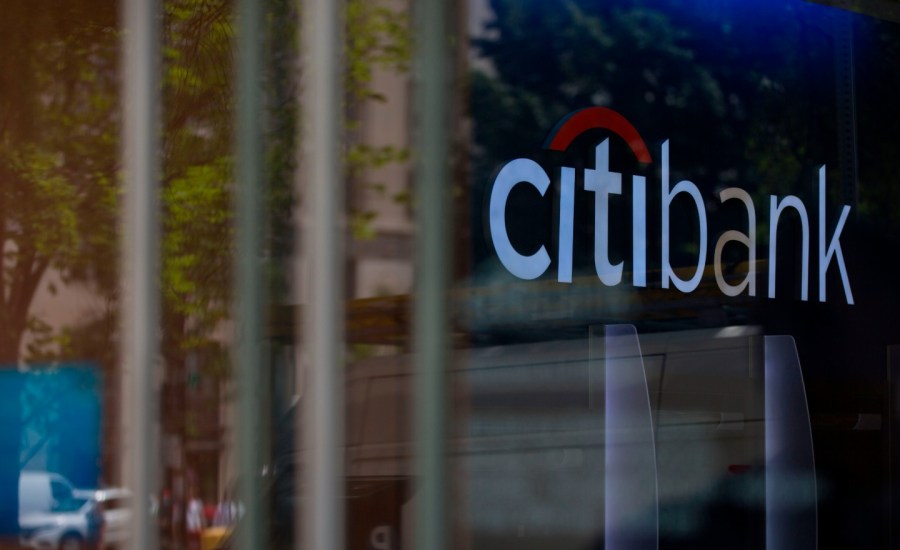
(834, 246)
(639, 230)
(776, 208)
(566, 224)
(514, 172)
(603, 182)
(668, 275)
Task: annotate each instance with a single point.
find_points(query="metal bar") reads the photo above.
(433, 74)
(140, 259)
(249, 295)
(323, 338)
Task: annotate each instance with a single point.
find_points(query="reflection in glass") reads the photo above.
(791, 492)
(630, 471)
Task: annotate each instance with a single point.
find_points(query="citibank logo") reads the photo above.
(605, 183)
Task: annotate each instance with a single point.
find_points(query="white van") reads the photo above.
(51, 516)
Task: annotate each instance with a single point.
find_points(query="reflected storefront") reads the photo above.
(390, 275)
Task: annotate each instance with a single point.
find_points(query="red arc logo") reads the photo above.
(582, 120)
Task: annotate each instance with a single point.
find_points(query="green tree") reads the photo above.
(58, 158)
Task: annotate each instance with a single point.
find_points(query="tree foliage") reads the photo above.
(59, 152)
(58, 157)
(197, 182)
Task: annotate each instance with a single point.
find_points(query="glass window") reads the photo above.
(505, 274)
(702, 177)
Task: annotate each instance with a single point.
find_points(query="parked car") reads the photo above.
(52, 516)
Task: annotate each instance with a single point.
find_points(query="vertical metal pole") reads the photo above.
(433, 80)
(140, 259)
(323, 418)
(250, 356)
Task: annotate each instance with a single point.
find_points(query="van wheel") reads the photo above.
(71, 542)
